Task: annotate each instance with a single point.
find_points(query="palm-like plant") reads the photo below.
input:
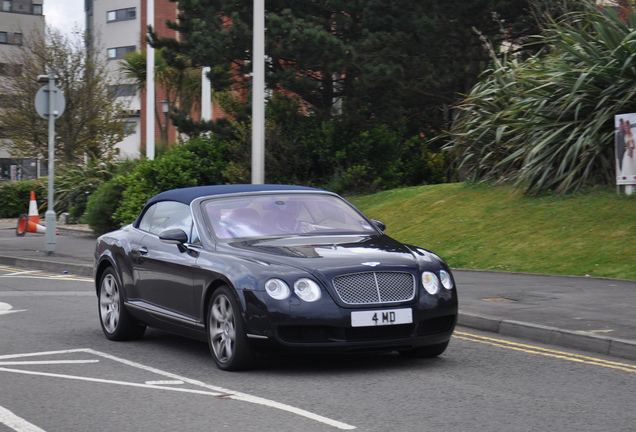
(182, 85)
(547, 123)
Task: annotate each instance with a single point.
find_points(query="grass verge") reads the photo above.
(497, 228)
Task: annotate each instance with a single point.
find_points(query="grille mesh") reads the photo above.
(375, 287)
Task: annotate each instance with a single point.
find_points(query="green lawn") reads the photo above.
(497, 228)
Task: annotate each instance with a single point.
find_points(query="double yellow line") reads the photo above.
(531, 349)
(38, 274)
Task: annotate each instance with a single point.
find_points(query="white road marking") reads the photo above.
(90, 293)
(16, 423)
(6, 308)
(210, 390)
(46, 362)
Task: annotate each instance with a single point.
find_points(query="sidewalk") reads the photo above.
(596, 315)
(74, 249)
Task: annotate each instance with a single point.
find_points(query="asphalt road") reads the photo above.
(59, 373)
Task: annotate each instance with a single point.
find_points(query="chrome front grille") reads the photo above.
(375, 287)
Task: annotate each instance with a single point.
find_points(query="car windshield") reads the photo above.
(283, 214)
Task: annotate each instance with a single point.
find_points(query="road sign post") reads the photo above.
(50, 104)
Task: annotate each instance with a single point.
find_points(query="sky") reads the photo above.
(65, 15)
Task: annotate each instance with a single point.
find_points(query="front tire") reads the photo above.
(226, 332)
(116, 322)
(429, 351)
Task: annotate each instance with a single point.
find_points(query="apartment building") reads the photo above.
(118, 27)
(19, 19)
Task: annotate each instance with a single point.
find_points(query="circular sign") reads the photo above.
(42, 102)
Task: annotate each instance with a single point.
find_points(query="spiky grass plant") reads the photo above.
(547, 123)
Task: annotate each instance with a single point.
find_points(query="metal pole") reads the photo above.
(150, 85)
(258, 94)
(50, 212)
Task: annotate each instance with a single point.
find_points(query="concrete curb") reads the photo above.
(551, 335)
(52, 266)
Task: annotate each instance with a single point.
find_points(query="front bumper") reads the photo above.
(324, 326)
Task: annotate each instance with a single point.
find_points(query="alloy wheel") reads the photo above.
(109, 303)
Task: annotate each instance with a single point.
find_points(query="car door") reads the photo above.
(164, 273)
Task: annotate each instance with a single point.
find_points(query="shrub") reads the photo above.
(15, 197)
(74, 184)
(103, 203)
(547, 123)
(200, 161)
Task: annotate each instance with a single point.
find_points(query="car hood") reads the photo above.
(331, 253)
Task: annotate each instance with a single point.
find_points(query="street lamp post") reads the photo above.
(150, 85)
(165, 107)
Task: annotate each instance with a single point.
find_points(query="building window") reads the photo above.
(7, 5)
(121, 15)
(119, 52)
(3, 37)
(123, 90)
(37, 9)
(130, 127)
(17, 38)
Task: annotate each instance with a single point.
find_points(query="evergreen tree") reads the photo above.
(373, 60)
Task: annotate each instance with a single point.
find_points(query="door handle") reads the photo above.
(143, 250)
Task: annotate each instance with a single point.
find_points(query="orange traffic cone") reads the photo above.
(31, 222)
(25, 225)
(34, 216)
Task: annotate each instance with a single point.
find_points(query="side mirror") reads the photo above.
(379, 225)
(175, 236)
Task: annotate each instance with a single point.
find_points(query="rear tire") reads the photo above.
(227, 336)
(429, 351)
(116, 322)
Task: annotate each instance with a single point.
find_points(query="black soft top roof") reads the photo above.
(187, 195)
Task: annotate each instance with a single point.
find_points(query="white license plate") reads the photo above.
(381, 317)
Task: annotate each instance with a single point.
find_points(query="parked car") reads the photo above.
(271, 268)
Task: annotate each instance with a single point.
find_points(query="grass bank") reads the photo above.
(497, 228)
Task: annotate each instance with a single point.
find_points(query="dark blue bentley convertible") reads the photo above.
(271, 267)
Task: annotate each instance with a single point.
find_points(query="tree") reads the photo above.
(92, 123)
(377, 79)
(377, 61)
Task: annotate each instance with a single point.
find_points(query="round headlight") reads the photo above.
(447, 281)
(307, 290)
(277, 289)
(430, 282)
